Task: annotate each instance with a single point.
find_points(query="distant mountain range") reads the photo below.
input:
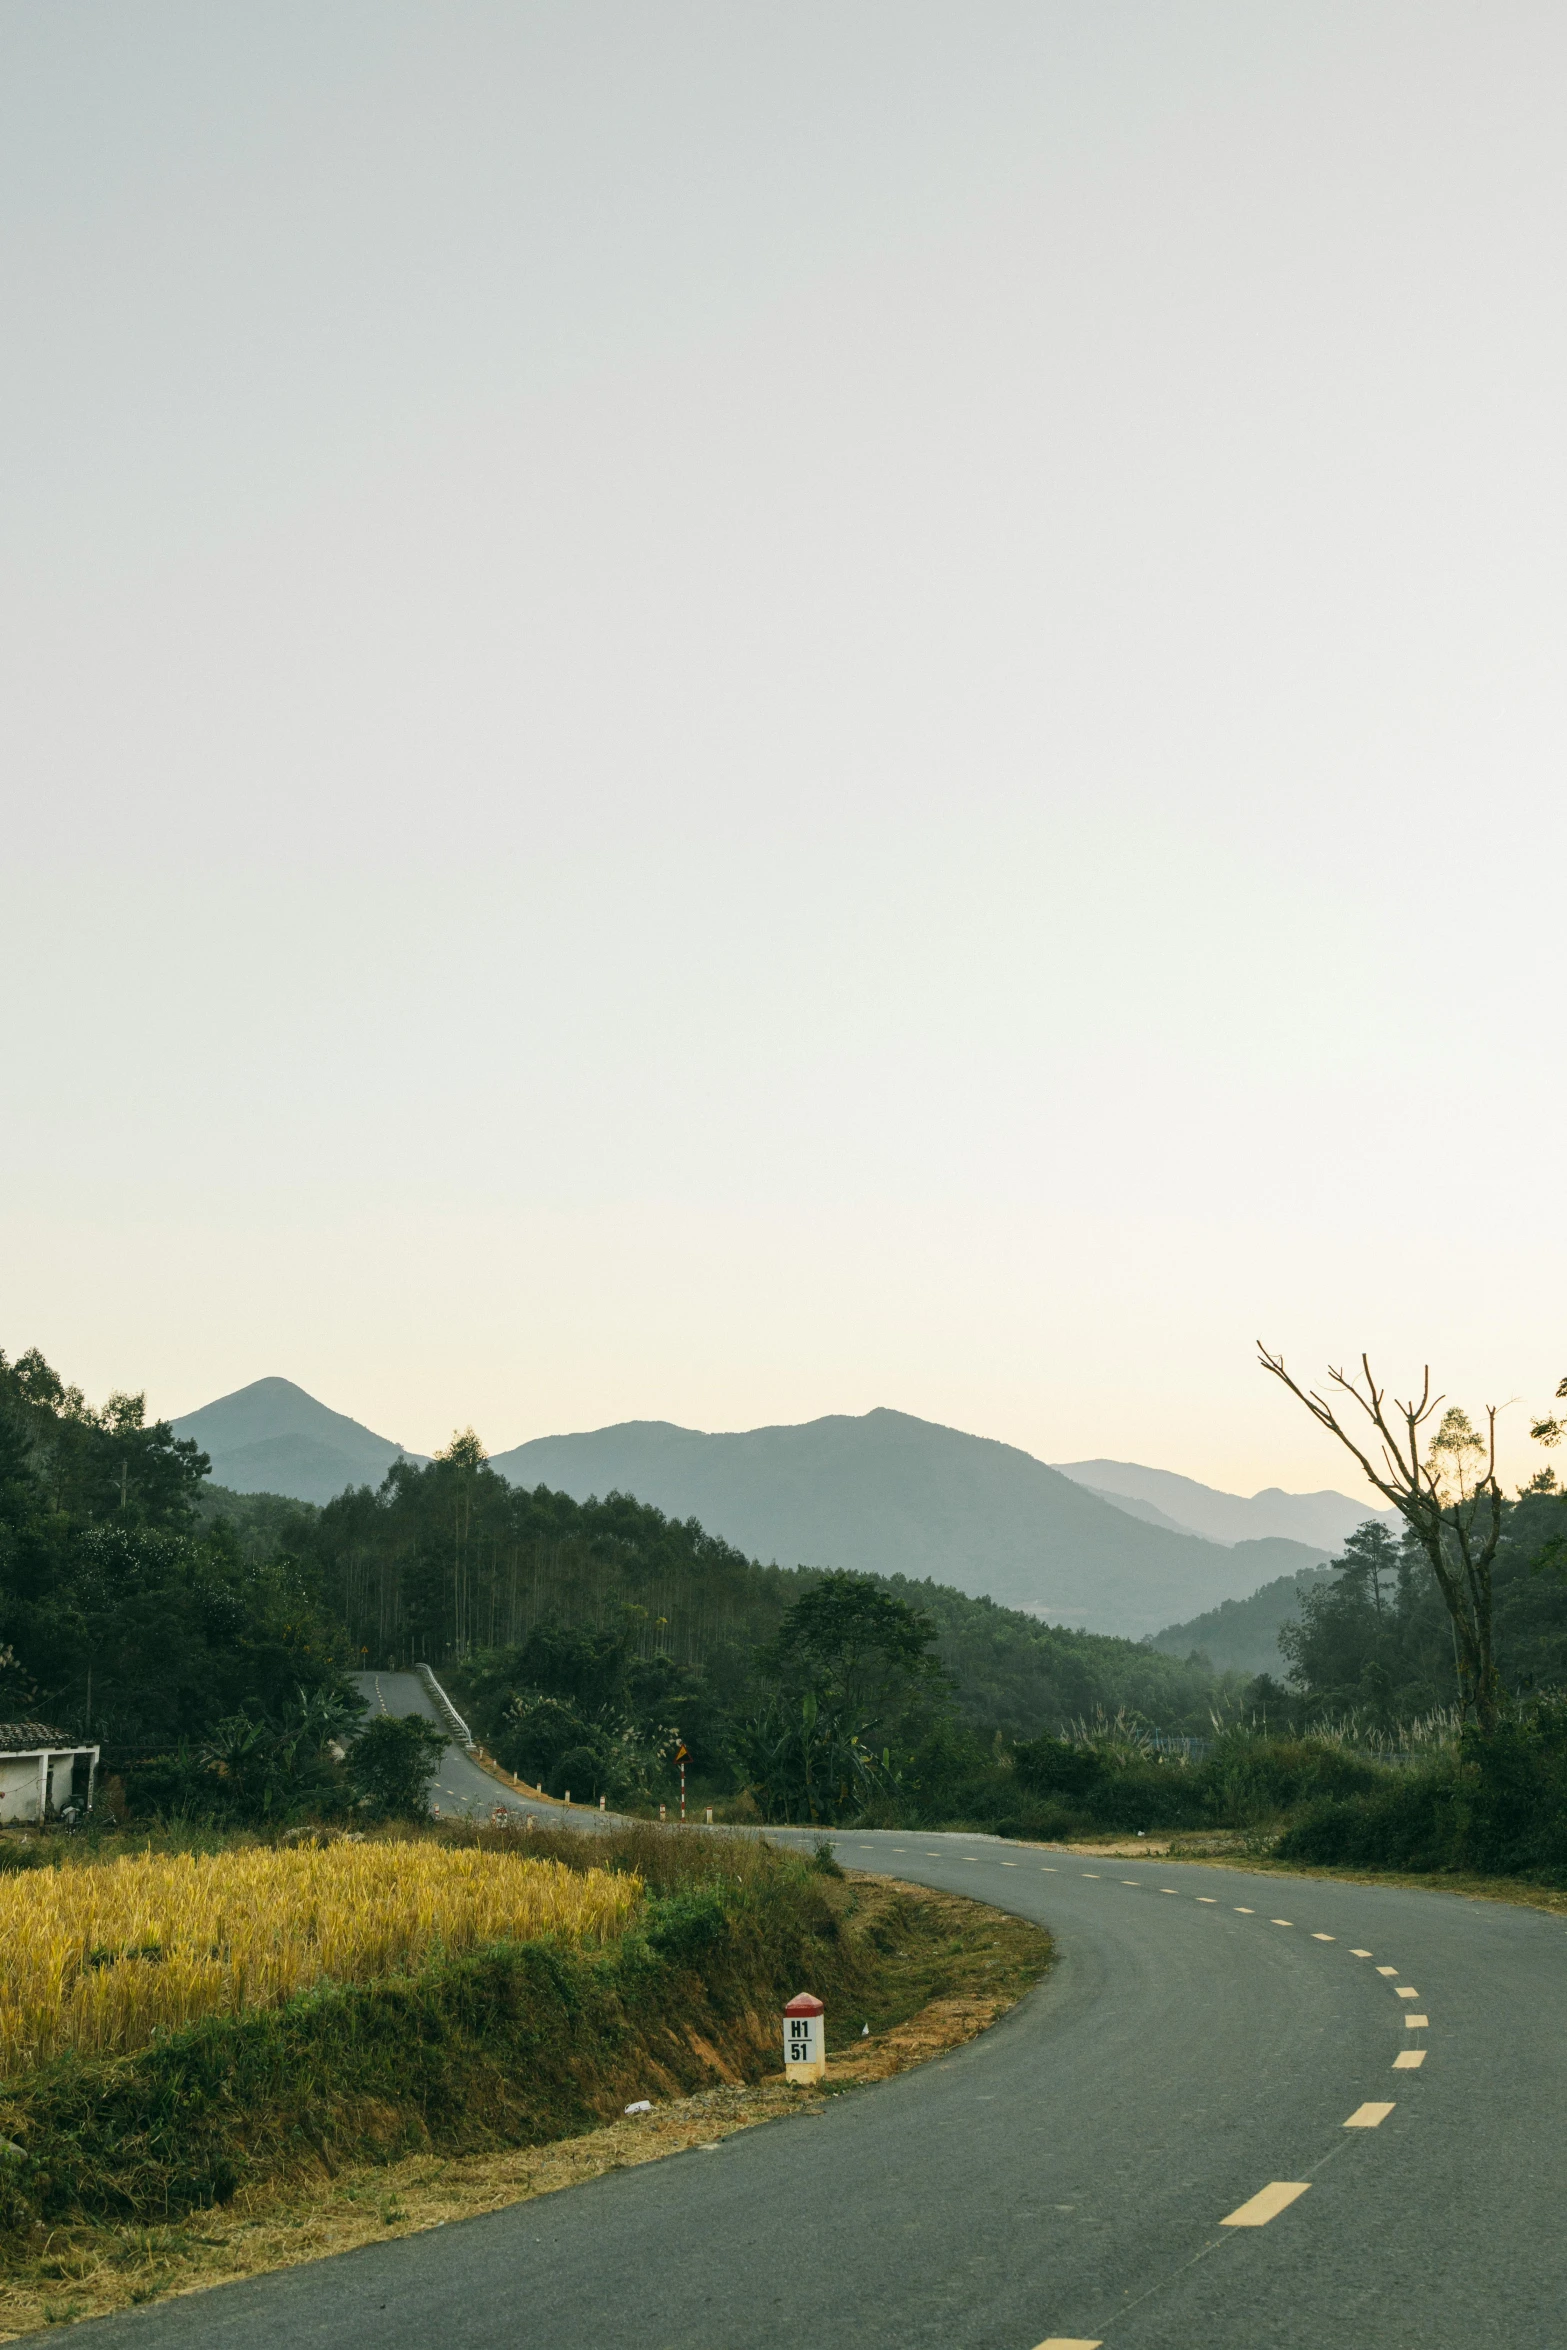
(271, 1437)
(884, 1493)
(1321, 1520)
(890, 1494)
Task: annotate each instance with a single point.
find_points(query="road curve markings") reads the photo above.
(1369, 2117)
(1277, 2196)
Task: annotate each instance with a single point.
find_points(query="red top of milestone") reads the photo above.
(803, 2004)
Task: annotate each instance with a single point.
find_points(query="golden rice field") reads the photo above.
(105, 1957)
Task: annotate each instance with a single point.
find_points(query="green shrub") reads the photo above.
(391, 1764)
(1408, 1822)
(1246, 1778)
(1511, 1799)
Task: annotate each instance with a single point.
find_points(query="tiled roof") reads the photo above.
(27, 1737)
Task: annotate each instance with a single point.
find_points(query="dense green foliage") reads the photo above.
(1377, 1638)
(1494, 1805)
(391, 1764)
(594, 1644)
(120, 1616)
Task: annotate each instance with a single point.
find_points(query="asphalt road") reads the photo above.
(459, 1785)
(1065, 2178)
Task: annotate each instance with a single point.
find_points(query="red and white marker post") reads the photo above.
(682, 1758)
(804, 2039)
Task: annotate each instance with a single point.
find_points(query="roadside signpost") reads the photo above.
(805, 2039)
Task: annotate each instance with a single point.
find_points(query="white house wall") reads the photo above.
(19, 1787)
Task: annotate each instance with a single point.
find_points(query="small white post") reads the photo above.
(805, 2039)
(661, 1812)
(709, 1815)
(601, 1803)
(568, 1795)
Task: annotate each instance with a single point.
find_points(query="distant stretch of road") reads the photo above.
(1243, 2113)
(460, 1785)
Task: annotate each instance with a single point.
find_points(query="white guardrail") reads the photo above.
(451, 1719)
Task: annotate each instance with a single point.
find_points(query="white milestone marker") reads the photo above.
(804, 2039)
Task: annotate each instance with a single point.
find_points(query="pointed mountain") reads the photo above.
(271, 1437)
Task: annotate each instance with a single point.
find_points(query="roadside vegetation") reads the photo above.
(205, 1640)
(514, 1999)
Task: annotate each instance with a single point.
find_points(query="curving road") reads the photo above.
(1065, 2179)
(460, 1785)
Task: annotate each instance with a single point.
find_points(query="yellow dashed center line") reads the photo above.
(1387, 1970)
(1068, 2342)
(1281, 1921)
(1418, 2023)
(1277, 2196)
(1324, 1937)
(1409, 2060)
(1405, 1991)
(1368, 2117)
(1244, 1913)
(1360, 1954)
(1211, 1899)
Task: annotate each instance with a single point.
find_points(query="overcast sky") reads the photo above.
(720, 712)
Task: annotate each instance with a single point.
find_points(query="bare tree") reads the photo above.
(1447, 1495)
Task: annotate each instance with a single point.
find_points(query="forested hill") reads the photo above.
(450, 1560)
(1242, 1635)
(888, 1494)
(884, 1493)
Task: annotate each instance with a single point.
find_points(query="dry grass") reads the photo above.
(978, 1961)
(102, 1958)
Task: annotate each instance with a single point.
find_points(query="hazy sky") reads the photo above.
(723, 711)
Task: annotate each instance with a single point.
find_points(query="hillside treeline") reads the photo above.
(449, 1563)
(204, 1638)
(121, 1615)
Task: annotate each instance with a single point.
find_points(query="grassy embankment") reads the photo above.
(249, 2136)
